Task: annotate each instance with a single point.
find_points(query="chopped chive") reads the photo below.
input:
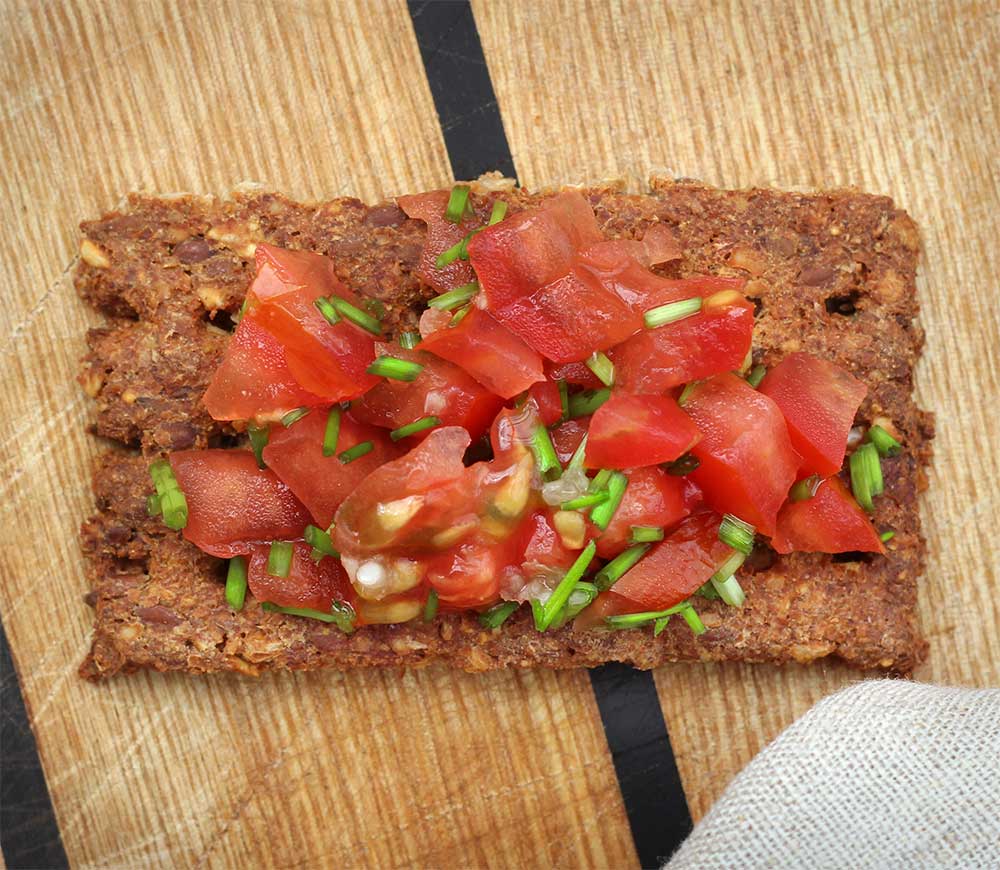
(645, 534)
(693, 620)
(331, 434)
(617, 567)
(874, 470)
(459, 316)
(601, 515)
(600, 480)
(671, 312)
(409, 340)
(499, 212)
(431, 607)
(805, 488)
(545, 454)
(458, 203)
(341, 614)
(730, 591)
(293, 416)
(585, 501)
(887, 536)
(172, 501)
(563, 399)
(560, 595)
(316, 538)
(576, 460)
(685, 394)
(356, 315)
(356, 451)
(448, 257)
(584, 403)
(279, 559)
(376, 307)
(327, 309)
(685, 465)
(659, 625)
(634, 620)
(498, 614)
(756, 375)
(884, 443)
(737, 534)
(708, 590)
(397, 369)
(602, 367)
(414, 427)
(747, 362)
(236, 582)
(862, 482)
(153, 506)
(454, 298)
(259, 436)
(729, 567)
(538, 614)
(581, 597)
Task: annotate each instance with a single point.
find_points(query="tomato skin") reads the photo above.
(308, 584)
(628, 431)
(657, 245)
(233, 504)
(818, 399)
(441, 235)
(548, 401)
(747, 460)
(321, 482)
(573, 373)
(253, 379)
(441, 390)
(829, 522)
(493, 355)
(652, 498)
(566, 437)
(468, 575)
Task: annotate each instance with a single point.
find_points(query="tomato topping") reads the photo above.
(717, 339)
(818, 400)
(321, 482)
(493, 355)
(658, 245)
(253, 379)
(441, 235)
(628, 431)
(566, 437)
(543, 546)
(829, 522)
(653, 498)
(441, 390)
(578, 373)
(468, 575)
(675, 568)
(548, 401)
(232, 503)
(309, 584)
(747, 461)
(326, 359)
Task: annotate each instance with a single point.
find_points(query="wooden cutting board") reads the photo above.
(320, 99)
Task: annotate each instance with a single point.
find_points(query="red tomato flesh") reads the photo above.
(829, 522)
(547, 400)
(577, 373)
(233, 504)
(442, 234)
(308, 584)
(628, 431)
(469, 574)
(566, 437)
(653, 498)
(818, 400)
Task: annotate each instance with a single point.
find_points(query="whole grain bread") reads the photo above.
(831, 273)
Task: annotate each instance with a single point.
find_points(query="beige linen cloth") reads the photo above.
(884, 774)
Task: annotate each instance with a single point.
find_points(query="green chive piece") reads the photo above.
(498, 614)
(874, 470)
(259, 436)
(584, 403)
(634, 620)
(560, 595)
(585, 501)
(376, 307)
(737, 534)
(538, 614)
(602, 367)
(172, 501)
(499, 212)
(671, 312)
(545, 454)
(341, 614)
(236, 583)
(659, 625)
(454, 298)
(600, 480)
(279, 558)
(884, 443)
(316, 538)
(153, 506)
(356, 315)
(581, 597)
(458, 202)
(756, 375)
(563, 399)
(327, 309)
(576, 460)
(729, 567)
(619, 566)
(707, 590)
(293, 416)
(685, 393)
(431, 607)
(459, 316)
(730, 591)
(414, 427)
(331, 434)
(397, 369)
(645, 534)
(358, 450)
(862, 483)
(693, 620)
(887, 536)
(409, 340)
(601, 515)
(453, 253)
(685, 465)
(806, 488)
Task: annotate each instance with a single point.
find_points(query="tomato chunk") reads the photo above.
(315, 585)
(747, 460)
(441, 390)
(566, 437)
(829, 522)
(628, 431)
(818, 400)
(573, 373)
(233, 504)
(653, 498)
(548, 401)
(468, 575)
(321, 482)
(441, 235)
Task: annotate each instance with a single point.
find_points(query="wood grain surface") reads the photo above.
(318, 99)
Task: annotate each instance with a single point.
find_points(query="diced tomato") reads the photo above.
(315, 585)
(577, 373)
(493, 355)
(326, 359)
(747, 460)
(548, 401)
(829, 522)
(715, 340)
(321, 482)
(512, 432)
(566, 437)
(675, 568)
(628, 431)
(233, 504)
(658, 245)
(253, 379)
(542, 544)
(442, 234)
(441, 390)
(818, 400)
(469, 574)
(652, 498)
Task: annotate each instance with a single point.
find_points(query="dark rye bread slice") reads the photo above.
(831, 273)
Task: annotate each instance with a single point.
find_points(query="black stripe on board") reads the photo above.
(630, 709)
(29, 836)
